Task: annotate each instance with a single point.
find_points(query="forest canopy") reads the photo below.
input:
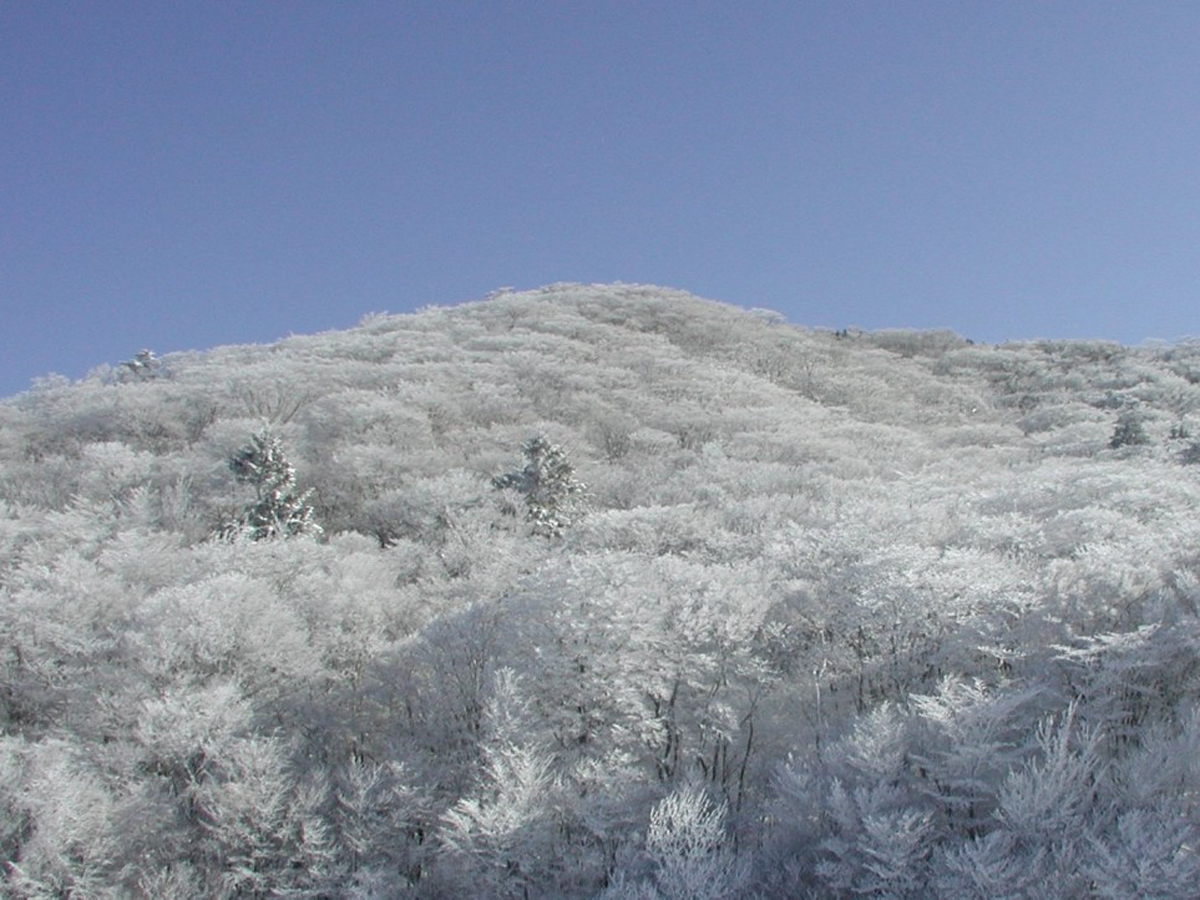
(604, 591)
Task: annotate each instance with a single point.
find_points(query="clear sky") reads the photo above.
(182, 175)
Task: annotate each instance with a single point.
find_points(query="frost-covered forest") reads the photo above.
(604, 592)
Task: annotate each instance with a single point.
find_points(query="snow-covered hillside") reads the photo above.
(604, 591)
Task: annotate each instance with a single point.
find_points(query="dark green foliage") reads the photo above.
(1129, 431)
(552, 493)
(144, 365)
(278, 510)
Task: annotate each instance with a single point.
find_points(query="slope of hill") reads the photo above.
(838, 614)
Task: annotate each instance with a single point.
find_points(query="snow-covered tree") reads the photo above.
(553, 495)
(688, 854)
(264, 833)
(73, 846)
(144, 365)
(500, 838)
(279, 509)
(1130, 430)
(691, 850)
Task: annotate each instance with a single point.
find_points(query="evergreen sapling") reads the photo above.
(553, 496)
(279, 509)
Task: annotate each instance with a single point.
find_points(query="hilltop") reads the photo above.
(830, 612)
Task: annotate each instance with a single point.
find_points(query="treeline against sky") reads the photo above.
(604, 591)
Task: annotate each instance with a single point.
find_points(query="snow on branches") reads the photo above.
(279, 508)
(554, 497)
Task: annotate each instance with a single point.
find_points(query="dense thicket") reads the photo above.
(848, 614)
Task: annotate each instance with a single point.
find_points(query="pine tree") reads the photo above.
(278, 510)
(1129, 431)
(553, 496)
(144, 365)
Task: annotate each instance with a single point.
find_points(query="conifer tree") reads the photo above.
(279, 509)
(1129, 431)
(553, 496)
(144, 365)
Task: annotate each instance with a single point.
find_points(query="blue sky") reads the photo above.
(182, 175)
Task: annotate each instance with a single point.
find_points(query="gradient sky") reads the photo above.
(182, 175)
